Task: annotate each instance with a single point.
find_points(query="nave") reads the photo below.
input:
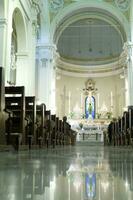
(68, 173)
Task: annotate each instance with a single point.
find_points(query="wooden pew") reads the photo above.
(15, 103)
(130, 110)
(118, 131)
(53, 130)
(113, 133)
(48, 131)
(57, 130)
(122, 130)
(126, 127)
(30, 116)
(61, 132)
(2, 107)
(40, 121)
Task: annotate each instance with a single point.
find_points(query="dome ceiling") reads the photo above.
(90, 41)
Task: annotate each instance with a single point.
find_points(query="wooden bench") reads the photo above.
(15, 103)
(30, 116)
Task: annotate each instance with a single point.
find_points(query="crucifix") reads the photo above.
(64, 97)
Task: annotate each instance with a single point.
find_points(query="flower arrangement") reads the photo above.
(98, 115)
(82, 116)
(71, 115)
(109, 115)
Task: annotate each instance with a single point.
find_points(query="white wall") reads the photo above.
(75, 85)
(26, 32)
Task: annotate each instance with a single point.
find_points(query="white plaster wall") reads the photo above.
(104, 85)
(26, 52)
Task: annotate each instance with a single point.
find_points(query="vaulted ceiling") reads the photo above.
(89, 41)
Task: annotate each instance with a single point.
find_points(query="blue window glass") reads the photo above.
(90, 107)
(90, 186)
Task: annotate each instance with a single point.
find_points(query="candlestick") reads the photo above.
(81, 100)
(69, 102)
(98, 102)
(111, 100)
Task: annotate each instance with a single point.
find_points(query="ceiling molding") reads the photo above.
(117, 64)
(90, 75)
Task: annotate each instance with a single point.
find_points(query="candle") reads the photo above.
(81, 100)
(69, 102)
(97, 102)
(111, 100)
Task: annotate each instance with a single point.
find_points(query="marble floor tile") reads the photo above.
(83, 172)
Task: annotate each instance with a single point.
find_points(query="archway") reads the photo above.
(70, 11)
(18, 43)
(77, 46)
(2, 9)
(3, 23)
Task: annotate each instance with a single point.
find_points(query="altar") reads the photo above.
(90, 130)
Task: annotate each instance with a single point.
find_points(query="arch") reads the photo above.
(18, 43)
(19, 23)
(90, 107)
(105, 7)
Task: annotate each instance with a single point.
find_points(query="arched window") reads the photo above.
(90, 107)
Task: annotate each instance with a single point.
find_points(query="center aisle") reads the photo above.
(81, 172)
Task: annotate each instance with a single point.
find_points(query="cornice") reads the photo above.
(90, 61)
(90, 74)
(101, 70)
(3, 21)
(120, 62)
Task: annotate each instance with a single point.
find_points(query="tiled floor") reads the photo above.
(69, 173)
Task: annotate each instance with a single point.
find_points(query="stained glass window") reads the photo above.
(90, 107)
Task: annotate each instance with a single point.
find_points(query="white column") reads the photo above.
(128, 47)
(130, 58)
(3, 24)
(126, 92)
(46, 56)
(46, 77)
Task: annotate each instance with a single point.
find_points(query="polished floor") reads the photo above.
(83, 172)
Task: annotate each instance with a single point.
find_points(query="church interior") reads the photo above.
(66, 99)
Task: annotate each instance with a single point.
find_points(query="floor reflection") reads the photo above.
(81, 173)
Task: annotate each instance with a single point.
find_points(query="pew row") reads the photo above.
(15, 107)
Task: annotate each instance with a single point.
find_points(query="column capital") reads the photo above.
(3, 22)
(48, 46)
(128, 46)
(46, 52)
(128, 50)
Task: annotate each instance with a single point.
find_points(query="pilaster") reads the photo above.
(3, 24)
(128, 47)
